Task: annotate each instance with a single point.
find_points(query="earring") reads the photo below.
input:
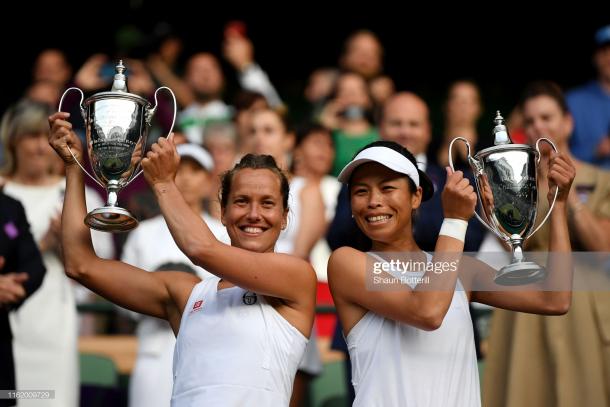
(352, 216)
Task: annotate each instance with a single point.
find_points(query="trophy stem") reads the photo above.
(112, 198)
(111, 218)
(517, 242)
(519, 271)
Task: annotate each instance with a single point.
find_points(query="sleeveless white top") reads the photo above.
(234, 349)
(395, 364)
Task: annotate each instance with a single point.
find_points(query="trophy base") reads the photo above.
(111, 219)
(520, 273)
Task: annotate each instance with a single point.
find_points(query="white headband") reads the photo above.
(384, 156)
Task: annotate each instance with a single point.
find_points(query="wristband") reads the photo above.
(455, 228)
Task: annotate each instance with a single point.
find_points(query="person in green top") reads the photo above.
(348, 114)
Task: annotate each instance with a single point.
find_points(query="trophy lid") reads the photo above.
(119, 89)
(502, 140)
(500, 132)
(120, 80)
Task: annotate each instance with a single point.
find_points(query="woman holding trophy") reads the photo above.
(412, 343)
(240, 334)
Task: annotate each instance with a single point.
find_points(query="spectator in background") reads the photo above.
(590, 107)
(51, 74)
(239, 51)
(462, 111)
(45, 351)
(45, 91)
(319, 87)
(52, 65)
(363, 54)
(246, 102)
(348, 114)
(21, 273)
(205, 80)
(163, 60)
(220, 140)
(30, 180)
(269, 134)
(514, 123)
(314, 153)
(381, 89)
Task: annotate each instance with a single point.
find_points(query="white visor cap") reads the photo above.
(384, 156)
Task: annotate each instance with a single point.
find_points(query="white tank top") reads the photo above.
(399, 365)
(234, 349)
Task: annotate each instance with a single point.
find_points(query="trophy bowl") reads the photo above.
(116, 136)
(117, 125)
(507, 187)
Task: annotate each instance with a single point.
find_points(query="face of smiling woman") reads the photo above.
(382, 203)
(254, 214)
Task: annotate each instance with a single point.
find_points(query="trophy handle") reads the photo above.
(149, 115)
(151, 112)
(556, 188)
(471, 160)
(84, 115)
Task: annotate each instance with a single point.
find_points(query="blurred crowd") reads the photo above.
(349, 106)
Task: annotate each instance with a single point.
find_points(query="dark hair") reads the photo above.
(358, 33)
(246, 98)
(305, 130)
(286, 124)
(544, 88)
(255, 162)
(466, 81)
(345, 72)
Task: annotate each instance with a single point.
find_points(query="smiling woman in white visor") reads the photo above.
(410, 340)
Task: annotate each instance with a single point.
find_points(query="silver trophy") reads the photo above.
(117, 124)
(507, 186)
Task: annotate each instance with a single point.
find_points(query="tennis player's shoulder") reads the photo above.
(346, 260)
